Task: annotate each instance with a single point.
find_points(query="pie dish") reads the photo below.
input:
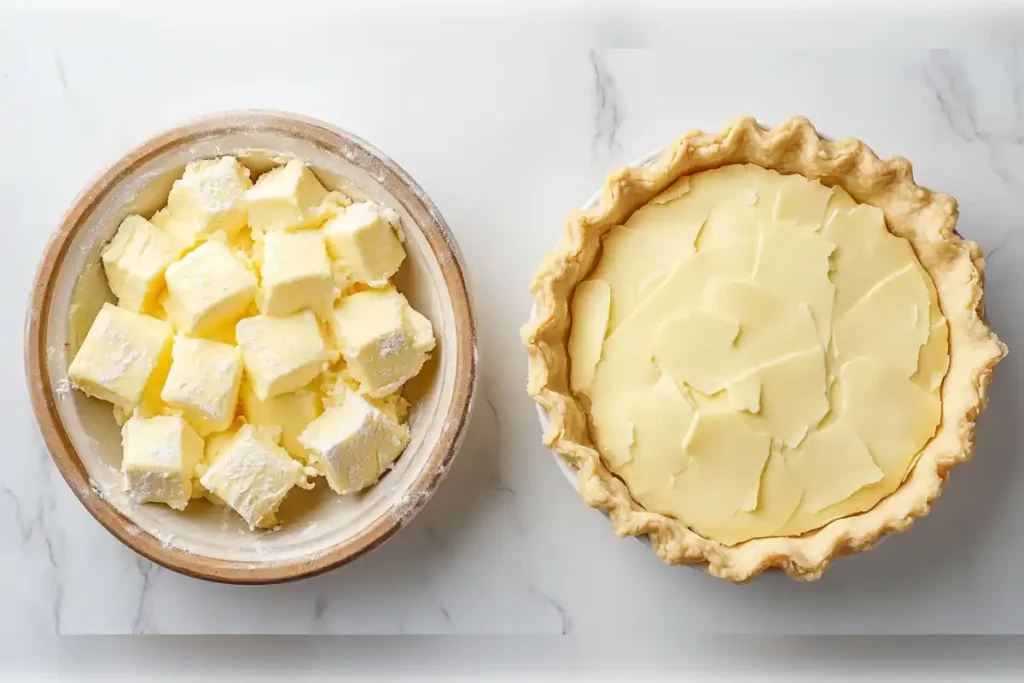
(762, 350)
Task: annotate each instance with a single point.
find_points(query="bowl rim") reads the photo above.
(442, 243)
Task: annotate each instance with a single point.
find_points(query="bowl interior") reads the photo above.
(313, 522)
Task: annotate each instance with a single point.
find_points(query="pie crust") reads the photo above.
(926, 219)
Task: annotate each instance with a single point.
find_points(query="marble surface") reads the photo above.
(506, 143)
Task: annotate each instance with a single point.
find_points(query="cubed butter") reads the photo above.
(135, 262)
(208, 198)
(382, 339)
(281, 354)
(124, 357)
(363, 243)
(203, 383)
(337, 383)
(353, 443)
(285, 198)
(209, 288)
(289, 412)
(296, 274)
(160, 458)
(215, 446)
(252, 475)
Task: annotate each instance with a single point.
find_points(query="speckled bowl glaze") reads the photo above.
(320, 529)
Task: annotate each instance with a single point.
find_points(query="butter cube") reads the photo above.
(183, 232)
(252, 475)
(209, 288)
(281, 354)
(285, 198)
(123, 358)
(208, 198)
(135, 261)
(216, 445)
(296, 274)
(203, 383)
(353, 443)
(364, 245)
(160, 458)
(382, 339)
(289, 412)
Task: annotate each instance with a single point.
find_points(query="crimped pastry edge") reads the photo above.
(927, 219)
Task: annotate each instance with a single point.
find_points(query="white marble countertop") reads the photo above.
(506, 143)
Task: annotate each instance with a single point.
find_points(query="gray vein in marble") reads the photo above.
(123, 127)
(563, 614)
(37, 524)
(58, 586)
(993, 251)
(1005, 240)
(497, 482)
(319, 608)
(954, 93)
(495, 415)
(62, 75)
(140, 624)
(51, 534)
(24, 525)
(434, 537)
(607, 109)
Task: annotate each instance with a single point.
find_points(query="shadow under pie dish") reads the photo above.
(762, 349)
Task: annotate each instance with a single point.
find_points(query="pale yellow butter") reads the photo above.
(203, 383)
(208, 198)
(246, 277)
(382, 339)
(123, 358)
(252, 475)
(285, 198)
(281, 354)
(215, 446)
(364, 244)
(353, 443)
(295, 274)
(160, 458)
(135, 261)
(759, 355)
(209, 288)
(289, 412)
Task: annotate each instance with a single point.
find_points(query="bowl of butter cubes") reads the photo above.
(251, 349)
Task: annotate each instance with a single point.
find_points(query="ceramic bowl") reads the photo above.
(320, 530)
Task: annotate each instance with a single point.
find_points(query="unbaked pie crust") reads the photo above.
(925, 219)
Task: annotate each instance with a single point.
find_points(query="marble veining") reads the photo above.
(565, 621)
(955, 94)
(146, 570)
(39, 535)
(607, 109)
(523, 137)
